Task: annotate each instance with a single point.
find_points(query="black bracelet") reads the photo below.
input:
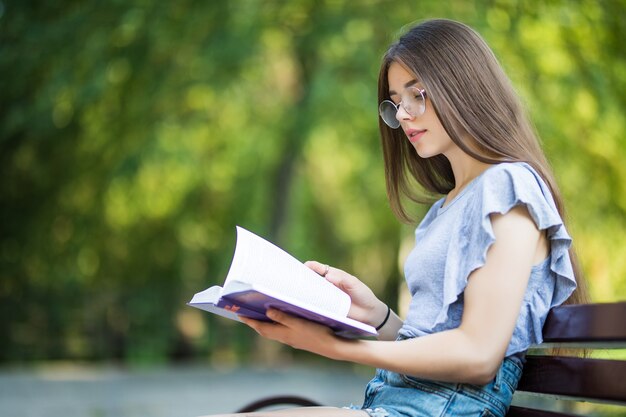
(386, 318)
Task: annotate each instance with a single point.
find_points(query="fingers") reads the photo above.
(284, 323)
(317, 267)
(281, 329)
(333, 275)
(276, 315)
(292, 331)
(255, 324)
(264, 328)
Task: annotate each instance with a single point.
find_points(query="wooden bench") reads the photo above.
(587, 327)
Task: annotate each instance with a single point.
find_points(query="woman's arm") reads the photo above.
(493, 298)
(470, 353)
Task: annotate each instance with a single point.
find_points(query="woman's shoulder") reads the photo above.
(512, 171)
(514, 181)
(509, 184)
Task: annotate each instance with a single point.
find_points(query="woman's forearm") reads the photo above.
(446, 356)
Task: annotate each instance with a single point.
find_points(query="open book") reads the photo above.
(262, 275)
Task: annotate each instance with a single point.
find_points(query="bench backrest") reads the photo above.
(591, 326)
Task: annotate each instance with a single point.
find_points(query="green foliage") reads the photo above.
(134, 136)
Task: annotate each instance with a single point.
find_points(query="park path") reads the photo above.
(172, 391)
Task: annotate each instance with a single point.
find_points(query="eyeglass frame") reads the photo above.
(397, 107)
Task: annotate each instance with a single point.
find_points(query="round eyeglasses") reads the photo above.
(413, 102)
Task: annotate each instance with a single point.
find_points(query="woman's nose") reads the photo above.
(402, 114)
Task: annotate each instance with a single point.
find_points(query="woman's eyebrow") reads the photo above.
(408, 84)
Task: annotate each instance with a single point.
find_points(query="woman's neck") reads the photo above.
(465, 170)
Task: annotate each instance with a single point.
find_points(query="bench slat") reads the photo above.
(586, 323)
(515, 411)
(577, 345)
(589, 379)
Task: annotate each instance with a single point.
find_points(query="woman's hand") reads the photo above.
(365, 307)
(297, 333)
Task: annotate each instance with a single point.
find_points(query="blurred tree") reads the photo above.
(135, 136)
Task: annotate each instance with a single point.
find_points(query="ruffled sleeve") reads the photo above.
(498, 190)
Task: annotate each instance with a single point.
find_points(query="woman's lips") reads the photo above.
(414, 134)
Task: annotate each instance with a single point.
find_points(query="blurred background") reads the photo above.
(135, 135)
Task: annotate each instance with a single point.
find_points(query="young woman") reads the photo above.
(491, 257)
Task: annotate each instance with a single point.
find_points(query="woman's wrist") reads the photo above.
(382, 324)
(380, 316)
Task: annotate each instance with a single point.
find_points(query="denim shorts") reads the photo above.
(390, 394)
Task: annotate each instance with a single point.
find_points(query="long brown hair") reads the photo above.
(473, 98)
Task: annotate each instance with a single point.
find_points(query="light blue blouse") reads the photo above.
(452, 241)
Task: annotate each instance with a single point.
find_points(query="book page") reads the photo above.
(210, 295)
(257, 261)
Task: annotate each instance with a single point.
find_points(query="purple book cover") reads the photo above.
(252, 303)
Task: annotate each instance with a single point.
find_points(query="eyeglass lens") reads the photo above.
(413, 102)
